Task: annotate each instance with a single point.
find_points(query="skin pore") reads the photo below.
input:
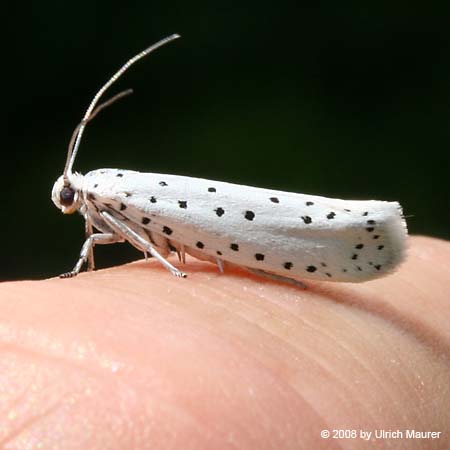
(134, 358)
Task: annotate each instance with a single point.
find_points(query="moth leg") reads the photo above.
(181, 253)
(275, 277)
(97, 238)
(90, 256)
(140, 243)
(220, 265)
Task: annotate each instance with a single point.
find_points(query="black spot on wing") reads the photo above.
(167, 230)
(249, 215)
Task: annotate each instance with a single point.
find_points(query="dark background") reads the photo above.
(347, 101)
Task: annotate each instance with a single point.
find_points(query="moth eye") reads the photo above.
(66, 196)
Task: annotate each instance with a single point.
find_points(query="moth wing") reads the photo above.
(293, 235)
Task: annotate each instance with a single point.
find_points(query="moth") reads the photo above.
(281, 235)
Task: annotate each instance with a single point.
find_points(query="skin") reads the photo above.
(133, 358)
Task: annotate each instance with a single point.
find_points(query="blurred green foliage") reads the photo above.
(342, 101)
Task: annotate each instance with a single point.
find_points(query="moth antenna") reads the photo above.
(89, 114)
(92, 116)
(109, 102)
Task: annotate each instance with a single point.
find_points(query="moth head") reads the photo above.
(66, 196)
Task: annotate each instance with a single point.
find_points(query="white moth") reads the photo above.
(282, 235)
